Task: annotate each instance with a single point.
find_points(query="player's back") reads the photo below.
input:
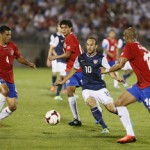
(72, 44)
(138, 57)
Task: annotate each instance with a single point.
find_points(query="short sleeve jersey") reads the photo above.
(91, 73)
(7, 55)
(139, 58)
(72, 44)
(110, 46)
(57, 41)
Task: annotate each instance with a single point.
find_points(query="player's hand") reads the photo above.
(119, 79)
(103, 70)
(60, 82)
(48, 63)
(32, 65)
(51, 58)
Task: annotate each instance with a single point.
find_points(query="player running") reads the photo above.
(8, 52)
(94, 88)
(139, 57)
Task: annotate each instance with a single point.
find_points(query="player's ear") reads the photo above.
(96, 46)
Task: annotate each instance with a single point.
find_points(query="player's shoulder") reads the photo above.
(12, 44)
(81, 56)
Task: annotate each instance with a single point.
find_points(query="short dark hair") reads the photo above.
(4, 28)
(93, 38)
(66, 22)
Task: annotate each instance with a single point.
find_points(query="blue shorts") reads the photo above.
(111, 63)
(75, 80)
(142, 95)
(12, 89)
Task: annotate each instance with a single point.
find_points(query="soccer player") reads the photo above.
(109, 46)
(94, 88)
(139, 58)
(72, 49)
(59, 65)
(127, 67)
(8, 52)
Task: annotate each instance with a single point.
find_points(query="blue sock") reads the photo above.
(53, 80)
(98, 116)
(58, 90)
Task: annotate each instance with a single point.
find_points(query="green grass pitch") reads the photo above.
(26, 129)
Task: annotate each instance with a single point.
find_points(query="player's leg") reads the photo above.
(54, 75)
(91, 102)
(72, 83)
(61, 69)
(3, 93)
(12, 106)
(73, 106)
(125, 99)
(11, 100)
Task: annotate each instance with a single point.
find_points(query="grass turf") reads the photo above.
(26, 129)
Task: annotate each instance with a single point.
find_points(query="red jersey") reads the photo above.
(7, 55)
(139, 58)
(72, 44)
(112, 49)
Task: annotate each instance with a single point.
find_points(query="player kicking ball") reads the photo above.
(94, 88)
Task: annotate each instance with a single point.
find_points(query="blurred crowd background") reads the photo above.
(33, 21)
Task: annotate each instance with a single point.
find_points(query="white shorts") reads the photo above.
(127, 66)
(101, 96)
(59, 67)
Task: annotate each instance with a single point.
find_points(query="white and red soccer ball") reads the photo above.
(52, 117)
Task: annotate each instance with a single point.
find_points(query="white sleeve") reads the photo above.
(54, 41)
(105, 63)
(105, 44)
(120, 43)
(76, 64)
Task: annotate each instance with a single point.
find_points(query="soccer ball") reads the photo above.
(52, 117)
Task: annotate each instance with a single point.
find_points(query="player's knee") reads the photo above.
(118, 103)
(111, 108)
(91, 102)
(5, 91)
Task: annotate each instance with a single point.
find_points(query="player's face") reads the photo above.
(65, 29)
(91, 46)
(112, 34)
(125, 36)
(6, 36)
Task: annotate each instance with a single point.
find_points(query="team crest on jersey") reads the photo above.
(68, 47)
(12, 52)
(95, 61)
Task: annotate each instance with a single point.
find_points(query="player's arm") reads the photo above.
(65, 55)
(68, 76)
(112, 74)
(75, 67)
(50, 53)
(54, 41)
(120, 64)
(22, 60)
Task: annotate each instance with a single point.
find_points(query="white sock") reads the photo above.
(73, 107)
(5, 113)
(2, 101)
(125, 119)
